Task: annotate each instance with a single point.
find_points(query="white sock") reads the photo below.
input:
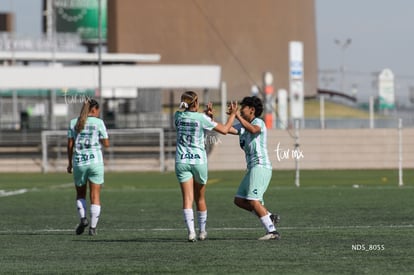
(267, 223)
(189, 219)
(81, 206)
(95, 213)
(202, 220)
(255, 214)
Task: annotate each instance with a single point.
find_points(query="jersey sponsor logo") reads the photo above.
(190, 156)
(189, 123)
(84, 158)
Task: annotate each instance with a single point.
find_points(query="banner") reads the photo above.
(81, 16)
(296, 79)
(282, 99)
(386, 90)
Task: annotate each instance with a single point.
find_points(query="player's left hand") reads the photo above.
(209, 110)
(232, 108)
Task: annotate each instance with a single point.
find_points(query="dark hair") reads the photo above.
(88, 105)
(255, 102)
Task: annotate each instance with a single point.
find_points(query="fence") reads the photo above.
(128, 146)
(386, 148)
(324, 149)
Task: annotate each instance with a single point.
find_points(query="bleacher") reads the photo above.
(20, 144)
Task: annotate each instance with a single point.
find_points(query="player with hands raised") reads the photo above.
(253, 140)
(191, 158)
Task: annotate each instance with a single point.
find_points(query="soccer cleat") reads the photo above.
(270, 236)
(202, 236)
(92, 231)
(82, 225)
(192, 237)
(275, 219)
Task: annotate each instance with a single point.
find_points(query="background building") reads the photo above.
(245, 37)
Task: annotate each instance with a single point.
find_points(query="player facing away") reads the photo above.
(85, 160)
(191, 159)
(253, 140)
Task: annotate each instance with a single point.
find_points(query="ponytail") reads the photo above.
(86, 108)
(80, 124)
(188, 99)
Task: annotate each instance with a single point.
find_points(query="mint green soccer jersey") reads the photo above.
(190, 128)
(87, 148)
(255, 145)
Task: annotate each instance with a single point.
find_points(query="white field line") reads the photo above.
(281, 228)
(4, 193)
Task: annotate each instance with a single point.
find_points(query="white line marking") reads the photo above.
(4, 193)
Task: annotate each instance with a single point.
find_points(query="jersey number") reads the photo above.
(83, 143)
(186, 140)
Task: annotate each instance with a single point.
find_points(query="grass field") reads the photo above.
(337, 222)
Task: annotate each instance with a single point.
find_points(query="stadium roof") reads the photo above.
(78, 57)
(112, 76)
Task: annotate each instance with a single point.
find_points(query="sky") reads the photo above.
(381, 34)
(382, 37)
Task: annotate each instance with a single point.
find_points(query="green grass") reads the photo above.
(333, 110)
(141, 230)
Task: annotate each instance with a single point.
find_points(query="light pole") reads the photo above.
(343, 45)
(100, 58)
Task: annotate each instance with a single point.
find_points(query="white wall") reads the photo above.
(324, 149)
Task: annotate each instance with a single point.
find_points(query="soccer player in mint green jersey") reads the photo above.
(86, 134)
(191, 158)
(252, 136)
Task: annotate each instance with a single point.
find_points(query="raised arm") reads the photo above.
(254, 129)
(233, 131)
(226, 128)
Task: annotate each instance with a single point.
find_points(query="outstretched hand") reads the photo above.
(232, 108)
(209, 110)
